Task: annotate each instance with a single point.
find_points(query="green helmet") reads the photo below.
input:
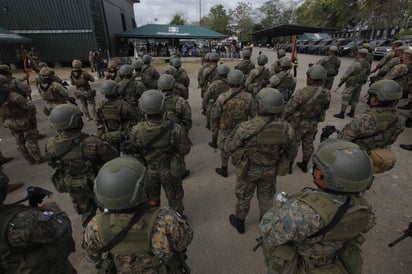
(146, 59)
(5, 69)
(207, 57)
(170, 70)
(65, 117)
(402, 48)
(386, 90)
(76, 64)
(222, 70)
(262, 60)
(214, 56)
(109, 88)
(285, 62)
(269, 100)
(46, 71)
(120, 184)
(246, 54)
(126, 71)
(42, 64)
(166, 82)
(344, 166)
(152, 102)
(235, 77)
(137, 64)
(316, 72)
(176, 62)
(281, 53)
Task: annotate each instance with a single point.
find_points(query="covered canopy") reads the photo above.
(287, 30)
(8, 37)
(171, 31)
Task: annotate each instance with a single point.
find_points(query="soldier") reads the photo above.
(87, 96)
(151, 240)
(402, 74)
(17, 113)
(369, 56)
(320, 230)
(162, 145)
(356, 75)
(261, 142)
(306, 109)
(215, 88)
(231, 108)
(283, 80)
(52, 92)
(205, 64)
(137, 65)
(33, 57)
(275, 68)
(258, 78)
(35, 239)
(332, 64)
(114, 116)
(178, 88)
(149, 74)
(245, 65)
(112, 72)
(389, 55)
(380, 126)
(130, 89)
(396, 60)
(209, 73)
(181, 76)
(76, 157)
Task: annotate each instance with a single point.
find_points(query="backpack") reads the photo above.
(235, 110)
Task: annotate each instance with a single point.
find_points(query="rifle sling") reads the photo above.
(231, 96)
(75, 142)
(163, 130)
(379, 132)
(270, 120)
(281, 80)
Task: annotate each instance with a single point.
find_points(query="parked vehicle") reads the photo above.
(311, 49)
(299, 48)
(322, 48)
(351, 48)
(381, 48)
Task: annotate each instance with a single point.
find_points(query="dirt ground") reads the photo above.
(209, 198)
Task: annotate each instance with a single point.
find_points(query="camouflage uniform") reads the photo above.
(173, 144)
(74, 172)
(289, 228)
(181, 90)
(245, 66)
(170, 234)
(84, 92)
(285, 83)
(304, 111)
(332, 65)
(388, 56)
(150, 76)
(130, 91)
(54, 94)
(275, 68)
(257, 79)
(387, 68)
(221, 120)
(263, 159)
(17, 113)
(181, 77)
(178, 110)
(114, 119)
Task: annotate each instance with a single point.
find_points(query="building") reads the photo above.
(63, 30)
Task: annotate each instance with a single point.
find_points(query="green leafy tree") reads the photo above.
(177, 20)
(217, 19)
(242, 21)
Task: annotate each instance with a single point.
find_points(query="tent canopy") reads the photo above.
(159, 31)
(287, 30)
(8, 37)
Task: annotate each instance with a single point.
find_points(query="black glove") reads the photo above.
(37, 194)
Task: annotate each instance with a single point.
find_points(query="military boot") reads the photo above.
(303, 166)
(408, 123)
(351, 113)
(186, 174)
(222, 171)
(213, 144)
(340, 115)
(237, 223)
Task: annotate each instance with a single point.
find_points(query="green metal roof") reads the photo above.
(171, 31)
(8, 37)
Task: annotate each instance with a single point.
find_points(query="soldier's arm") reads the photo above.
(60, 89)
(186, 79)
(186, 114)
(293, 104)
(250, 78)
(128, 113)
(237, 139)
(89, 77)
(94, 148)
(92, 243)
(99, 121)
(22, 102)
(216, 113)
(362, 125)
(252, 108)
(396, 71)
(291, 146)
(180, 140)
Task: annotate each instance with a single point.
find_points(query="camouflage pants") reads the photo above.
(85, 206)
(305, 134)
(172, 187)
(261, 178)
(223, 137)
(350, 96)
(328, 82)
(86, 103)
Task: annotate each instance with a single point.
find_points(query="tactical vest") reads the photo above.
(46, 91)
(79, 80)
(261, 81)
(147, 131)
(220, 86)
(361, 76)
(11, 110)
(245, 66)
(405, 81)
(111, 115)
(234, 111)
(311, 110)
(331, 66)
(72, 172)
(286, 85)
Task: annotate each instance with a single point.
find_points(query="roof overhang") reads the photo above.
(288, 30)
(9, 37)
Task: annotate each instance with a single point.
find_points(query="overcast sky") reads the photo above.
(148, 10)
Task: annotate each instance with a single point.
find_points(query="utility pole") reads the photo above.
(200, 12)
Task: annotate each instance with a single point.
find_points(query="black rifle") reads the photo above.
(36, 194)
(259, 244)
(406, 233)
(72, 100)
(327, 131)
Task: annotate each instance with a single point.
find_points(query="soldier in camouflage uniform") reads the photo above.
(155, 244)
(112, 72)
(356, 75)
(369, 56)
(379, 126)
(17, 113)
(52, 92)
(299, 236)
(231, 108)
(389, 55)
(209, 74)
(55, 77)
(245, 65)
(306, 109)
(162, 145)
(149, 74)
(215, 88)
(283, 80)
(258, 78)
(35, 239)
(332, 64)
(262, 142)
(402, 74)
(131, 88)
(275, 68)
(205, 64)
(181, 76)
(178, 88)
(75, 158)
(114, 116)
(396, 60)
